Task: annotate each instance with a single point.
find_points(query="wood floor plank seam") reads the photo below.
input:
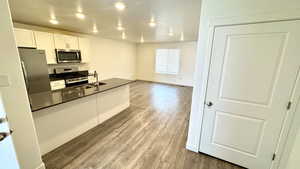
(150, 134)
(120, 133)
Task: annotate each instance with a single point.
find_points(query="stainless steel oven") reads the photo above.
(68, 56)
(71, 75)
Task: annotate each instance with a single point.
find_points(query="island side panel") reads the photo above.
(112, 102)
(60, 124)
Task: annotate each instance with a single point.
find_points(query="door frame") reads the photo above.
(13, 91)
(284, 144)
(290, 128)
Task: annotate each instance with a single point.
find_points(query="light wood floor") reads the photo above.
(151, 134)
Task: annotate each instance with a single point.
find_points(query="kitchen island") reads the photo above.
(62, 115)
(44, 100)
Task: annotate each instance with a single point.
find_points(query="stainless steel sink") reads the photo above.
(94, 85)
(101, 83)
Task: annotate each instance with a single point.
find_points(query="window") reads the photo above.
(167, 61)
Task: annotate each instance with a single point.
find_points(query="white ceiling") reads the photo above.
(180, 15)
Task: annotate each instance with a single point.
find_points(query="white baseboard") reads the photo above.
(41, 166)
(166, 82)
(192, 148)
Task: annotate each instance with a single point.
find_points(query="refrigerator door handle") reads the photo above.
(25, 73)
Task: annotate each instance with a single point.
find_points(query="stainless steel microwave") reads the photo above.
(68, 56)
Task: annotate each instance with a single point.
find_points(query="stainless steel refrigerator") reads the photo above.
(35, 70)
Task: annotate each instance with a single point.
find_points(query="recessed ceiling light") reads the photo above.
(95, 30)
(171, 33)
(79, 9)
(120, 6)
(53, 21)
(123, 35)
(152, 24)
(120, 27)
(182, 37)
(80, 15)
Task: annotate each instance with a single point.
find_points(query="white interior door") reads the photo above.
(8, 159)
(252, 73)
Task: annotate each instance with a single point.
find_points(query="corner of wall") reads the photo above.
(136, 60)
(41, 166)
(191, 147)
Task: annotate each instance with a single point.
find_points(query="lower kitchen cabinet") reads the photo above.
(112, 102)
(61, 123)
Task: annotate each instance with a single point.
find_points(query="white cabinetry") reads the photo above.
(57, 84)
(84, 47)
(50, 41)
(71, 42)
(54, 130)
(24, 38)
(112, 102)
(59, 41)
(45, 41)
(65, 42)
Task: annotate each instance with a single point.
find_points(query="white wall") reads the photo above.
(116, 58)
(234, 12)
(110, 58)
(146, 63)
(15, 97)
(113, 58)
(293, 162)
(86, 113)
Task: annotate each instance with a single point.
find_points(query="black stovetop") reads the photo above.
(69, 75)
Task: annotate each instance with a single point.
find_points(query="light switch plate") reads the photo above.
(4, 81)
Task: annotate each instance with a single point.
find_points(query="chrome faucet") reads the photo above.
(96, 76)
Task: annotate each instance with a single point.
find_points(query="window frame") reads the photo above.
(167, 64)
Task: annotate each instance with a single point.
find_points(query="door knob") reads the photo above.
(3, 135)
(209, 104)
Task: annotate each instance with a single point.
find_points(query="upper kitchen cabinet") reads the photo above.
(45, 41)
(84, 46)
(71, 42)
(25, 38)
(65, 42)
(59, 41)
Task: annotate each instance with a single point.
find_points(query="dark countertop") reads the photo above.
(44, 100)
